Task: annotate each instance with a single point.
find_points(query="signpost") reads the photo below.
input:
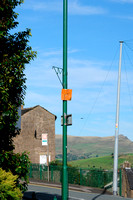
(69, 120)
(45, 143)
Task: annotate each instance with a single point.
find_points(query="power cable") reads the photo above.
(128, 40)
(127, 53)
(98, 95)
(129, 91)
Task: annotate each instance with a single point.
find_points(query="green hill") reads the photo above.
(88, 147)
(105, 162)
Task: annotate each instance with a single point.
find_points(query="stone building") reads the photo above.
(127, 180)
(36, 121)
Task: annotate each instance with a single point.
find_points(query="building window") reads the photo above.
(35, 135)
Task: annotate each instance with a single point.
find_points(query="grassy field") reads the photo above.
(105, 162)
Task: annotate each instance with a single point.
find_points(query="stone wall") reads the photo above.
(35, 122)
(127, 181)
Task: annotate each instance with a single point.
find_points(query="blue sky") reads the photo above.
(95, 28)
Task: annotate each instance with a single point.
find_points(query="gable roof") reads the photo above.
(25, 110)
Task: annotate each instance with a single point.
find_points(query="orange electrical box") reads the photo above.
(66, 94)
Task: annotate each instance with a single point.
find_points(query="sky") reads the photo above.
(95, 28)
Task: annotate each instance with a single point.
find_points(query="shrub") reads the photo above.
(8, 189)
(19, 165)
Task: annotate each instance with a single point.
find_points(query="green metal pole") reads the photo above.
(40, 172)
(30, 170)
(64, 175)
(120, 185)
(81, 177)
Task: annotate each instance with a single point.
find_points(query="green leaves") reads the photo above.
(18, 164)
(8, 188)
(14, 54)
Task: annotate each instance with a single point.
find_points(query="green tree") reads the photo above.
(15, 52)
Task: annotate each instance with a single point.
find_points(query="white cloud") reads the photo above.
(52, 53)
(49, 6)
(89, 99)
(74, 7)
(81, 73)
(87, 73)
(125, 17)
(58, 52)
(84, 77)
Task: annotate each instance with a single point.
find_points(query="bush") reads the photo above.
(8, 189)
(19, 165)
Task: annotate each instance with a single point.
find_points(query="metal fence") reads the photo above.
(86, 177)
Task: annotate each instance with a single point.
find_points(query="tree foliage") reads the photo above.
(15, 52)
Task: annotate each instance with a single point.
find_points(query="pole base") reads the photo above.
(115, 193)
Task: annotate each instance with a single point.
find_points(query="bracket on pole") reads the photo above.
(58, 72)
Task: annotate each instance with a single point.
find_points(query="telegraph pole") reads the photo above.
(65, 173)
(115, 173)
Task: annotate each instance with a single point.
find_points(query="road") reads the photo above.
(49, 192)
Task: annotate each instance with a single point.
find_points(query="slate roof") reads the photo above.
(129, 173)
(25, 110)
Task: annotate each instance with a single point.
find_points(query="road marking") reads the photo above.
(59, 188)
(46, 186)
